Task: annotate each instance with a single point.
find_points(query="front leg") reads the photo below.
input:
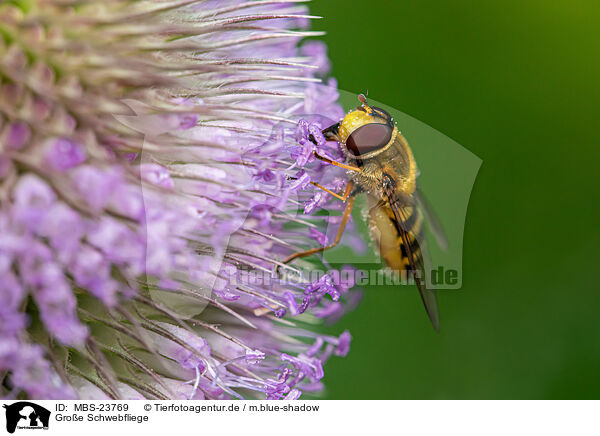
(338, 236)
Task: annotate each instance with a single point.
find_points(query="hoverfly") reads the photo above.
(382, 166)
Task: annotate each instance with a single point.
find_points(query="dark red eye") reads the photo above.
(368, 138)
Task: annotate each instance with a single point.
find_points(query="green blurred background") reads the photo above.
(516, 83)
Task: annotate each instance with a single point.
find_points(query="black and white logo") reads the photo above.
(26, 415)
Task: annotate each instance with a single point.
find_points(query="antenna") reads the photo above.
(365, 107)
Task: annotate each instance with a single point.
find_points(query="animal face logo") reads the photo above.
(26, 415)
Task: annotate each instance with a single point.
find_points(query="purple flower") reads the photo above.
(97, 185)
(343, 346)
(150, 197)
(17, 134)
(323, 285)
(63, 154)
(156, 175)
(317, 51)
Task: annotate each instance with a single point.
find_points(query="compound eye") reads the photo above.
(382, 113)
(369, 138)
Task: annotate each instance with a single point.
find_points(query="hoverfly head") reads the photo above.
(366, 131)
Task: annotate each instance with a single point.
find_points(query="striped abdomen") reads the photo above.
(386, 229)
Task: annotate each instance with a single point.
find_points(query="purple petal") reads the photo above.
(18, 135)
(63, 154)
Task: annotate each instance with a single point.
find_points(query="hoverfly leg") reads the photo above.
(342, 197)
(337, 164)
(338, 236)
(331, 133)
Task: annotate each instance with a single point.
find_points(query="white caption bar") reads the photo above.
(89, 418)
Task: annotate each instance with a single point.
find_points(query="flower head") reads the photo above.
(154, 171)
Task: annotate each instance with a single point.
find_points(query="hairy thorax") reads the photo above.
(390, 167)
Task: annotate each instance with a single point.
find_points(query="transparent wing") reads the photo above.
(433, 221)
(413, 245)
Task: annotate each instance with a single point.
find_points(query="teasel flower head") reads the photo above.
(155, 169)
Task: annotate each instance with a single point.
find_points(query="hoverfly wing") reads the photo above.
(429, 297)
(413, 244)
(433, 221)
